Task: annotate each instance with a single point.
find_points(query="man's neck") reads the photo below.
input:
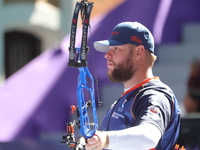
(138, 78)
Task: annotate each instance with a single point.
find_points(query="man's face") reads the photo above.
(120, 63)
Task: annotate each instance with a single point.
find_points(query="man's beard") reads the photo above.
(123, 71)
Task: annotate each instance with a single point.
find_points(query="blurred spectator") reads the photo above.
(194, 80)
(192, 98)
(192, 102)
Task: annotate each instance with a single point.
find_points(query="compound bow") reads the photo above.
(86, 116)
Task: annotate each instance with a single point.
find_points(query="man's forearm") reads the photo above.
(143, 137)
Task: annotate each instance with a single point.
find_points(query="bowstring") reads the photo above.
(96, 81)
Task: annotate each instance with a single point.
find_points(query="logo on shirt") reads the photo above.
(124, 103)
(153, 112)
(117, 115)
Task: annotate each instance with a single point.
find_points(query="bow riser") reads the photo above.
(89, 124)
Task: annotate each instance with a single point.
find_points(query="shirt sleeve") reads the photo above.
(153, 107)
(142, 137)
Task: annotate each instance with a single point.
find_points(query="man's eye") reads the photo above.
(116, 48)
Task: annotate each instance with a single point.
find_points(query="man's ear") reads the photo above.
(139, 51)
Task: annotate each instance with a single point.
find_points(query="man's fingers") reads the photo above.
(98, 142)
(93, 140)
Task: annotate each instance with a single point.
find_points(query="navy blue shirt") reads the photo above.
(150, 101)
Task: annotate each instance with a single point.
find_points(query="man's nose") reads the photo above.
(107, 55)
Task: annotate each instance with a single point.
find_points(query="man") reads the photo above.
(146, 116)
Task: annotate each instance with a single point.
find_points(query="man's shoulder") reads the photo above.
(157, 85)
